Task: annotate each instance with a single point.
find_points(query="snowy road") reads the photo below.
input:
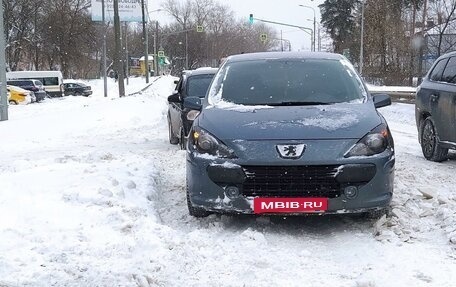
(92, 194)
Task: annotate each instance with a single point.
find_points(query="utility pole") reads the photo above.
(105, 79)
(118, 56)
(146, 41)
(3, 92)
(127, 59)
(421, 50)
(155, 50)
(361, 48)
(186, 50)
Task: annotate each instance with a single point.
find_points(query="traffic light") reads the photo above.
(251, 19)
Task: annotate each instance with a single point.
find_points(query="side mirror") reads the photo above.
(381, 100)
(174, 98)
(193, 103)
(176, 82)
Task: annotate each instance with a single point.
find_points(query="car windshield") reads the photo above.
(287, 82)
(197, 85)
(38, 83)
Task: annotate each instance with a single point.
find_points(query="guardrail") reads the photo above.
(397, 93)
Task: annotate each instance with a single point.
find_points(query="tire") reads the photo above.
(172, 138)
(377, 213)
(11, 102)
(430, 145)
(78, 94)
(182, 140)
(195, 211)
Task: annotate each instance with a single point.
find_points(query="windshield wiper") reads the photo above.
(299, 104)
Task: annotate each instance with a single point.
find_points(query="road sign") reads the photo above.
(264, 37)
(199, 29)
(161, 54)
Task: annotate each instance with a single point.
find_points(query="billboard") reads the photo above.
(129, 10)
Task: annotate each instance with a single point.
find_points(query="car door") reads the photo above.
(175, 108)
(447, 102)
(428, 95)
(443, 103)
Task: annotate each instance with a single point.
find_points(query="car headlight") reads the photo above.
(375, 142)
(206, 143)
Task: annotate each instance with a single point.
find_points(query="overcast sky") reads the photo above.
(285, 11)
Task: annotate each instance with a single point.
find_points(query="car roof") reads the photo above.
(200, 71)
(71, 81)
(284, 55)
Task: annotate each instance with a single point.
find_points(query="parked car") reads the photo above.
(31, 85)
(76, 88)
(192, 83)
(435, 109)
(18, 96)
(52, 80)
(289, 133)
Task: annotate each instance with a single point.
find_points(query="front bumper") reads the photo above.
(208, 179)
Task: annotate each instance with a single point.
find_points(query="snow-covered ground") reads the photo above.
(92, 194)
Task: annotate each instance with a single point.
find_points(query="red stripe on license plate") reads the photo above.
(289, 205)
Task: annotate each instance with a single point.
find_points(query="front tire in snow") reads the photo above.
(195, 211)
(377, 213)
(182, 140)
(172, 138)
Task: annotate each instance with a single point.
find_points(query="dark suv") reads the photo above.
(192, 83)
(435, 109)
(31, 85)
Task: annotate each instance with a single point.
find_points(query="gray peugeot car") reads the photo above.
(289, 133)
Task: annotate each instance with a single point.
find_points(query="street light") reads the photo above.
(155, 40)
(315, 23)
(318, 35)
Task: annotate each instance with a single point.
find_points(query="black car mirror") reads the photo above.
(174, 98)
(193, 103)
(176, 82)
(381, 100)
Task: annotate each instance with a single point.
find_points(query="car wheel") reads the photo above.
(78, 94)
(12, 102)
(195, 211)
(182, 140)
(172, 138)
(430, 144)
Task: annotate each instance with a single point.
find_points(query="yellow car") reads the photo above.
(18, 96)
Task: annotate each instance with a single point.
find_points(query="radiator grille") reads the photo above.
(291, 181)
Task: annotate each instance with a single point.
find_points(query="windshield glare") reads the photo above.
(287, 81)
(197, 85)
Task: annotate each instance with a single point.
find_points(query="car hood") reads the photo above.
(337, 121)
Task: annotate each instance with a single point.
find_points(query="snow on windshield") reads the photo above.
(286, 81)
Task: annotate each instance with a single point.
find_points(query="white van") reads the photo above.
(52, 80)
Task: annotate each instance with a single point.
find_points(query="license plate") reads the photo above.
(289, 205)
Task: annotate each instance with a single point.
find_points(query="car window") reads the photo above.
(449, 74)
(179, 85)
(197, 85)
(51, 81)
(436, 74)
(293, 81)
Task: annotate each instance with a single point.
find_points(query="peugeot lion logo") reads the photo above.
(291, 151)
